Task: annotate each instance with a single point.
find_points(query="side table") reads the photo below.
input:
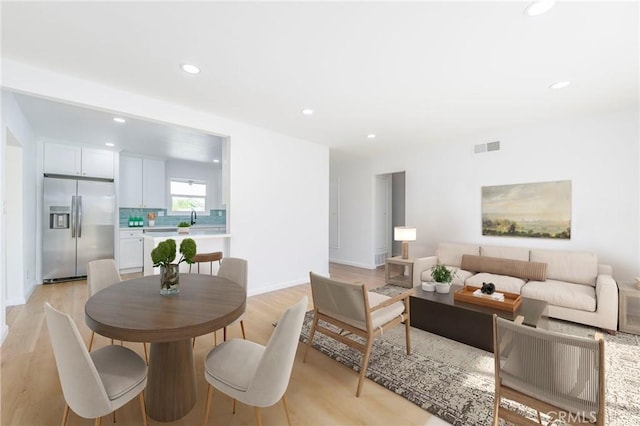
(399, 271)
(629, 309)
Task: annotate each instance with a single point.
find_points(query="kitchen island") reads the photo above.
(206, 241)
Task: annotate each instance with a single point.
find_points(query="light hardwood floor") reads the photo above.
(321, 391)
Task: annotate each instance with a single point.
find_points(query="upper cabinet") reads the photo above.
(142, 182)
(78, 161)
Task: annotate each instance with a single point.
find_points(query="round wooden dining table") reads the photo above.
(135, 311)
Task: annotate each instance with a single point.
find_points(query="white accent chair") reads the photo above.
(97, 383)
(354, 310)
(557, 374)
(101, 274)
(254, 374)
(235, 269)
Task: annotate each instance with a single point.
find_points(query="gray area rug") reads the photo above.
(455, 382)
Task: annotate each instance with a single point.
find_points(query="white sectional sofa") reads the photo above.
(574, 285)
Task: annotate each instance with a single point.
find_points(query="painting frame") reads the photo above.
(530, 210)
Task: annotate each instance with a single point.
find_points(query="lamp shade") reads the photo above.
(404, 233)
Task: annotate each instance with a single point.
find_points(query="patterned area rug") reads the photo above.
(455, 382)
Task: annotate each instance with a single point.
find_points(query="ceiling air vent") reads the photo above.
(485, 147)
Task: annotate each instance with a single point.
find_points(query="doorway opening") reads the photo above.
(389, 212)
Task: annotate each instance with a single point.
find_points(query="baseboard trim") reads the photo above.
(356, 264)
(15, 301)
(4, 334)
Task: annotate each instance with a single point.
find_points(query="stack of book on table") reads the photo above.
(494, 296)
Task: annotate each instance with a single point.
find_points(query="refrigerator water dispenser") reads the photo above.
(59, 217)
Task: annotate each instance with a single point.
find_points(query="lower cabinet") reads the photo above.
(131, 249)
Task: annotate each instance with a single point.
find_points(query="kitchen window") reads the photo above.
(187, 195)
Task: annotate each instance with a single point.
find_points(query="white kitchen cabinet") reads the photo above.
(131, 249)
(75, 160)
(142, 182)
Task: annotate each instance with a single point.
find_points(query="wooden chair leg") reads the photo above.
(193, 342)
(258, 419)
(496, 407)
(143, 409)
(65, 415)
(224, 334)
(215, 338)
(286, 410)
(363, 367)
(407, 332)
(244, 336)
(114, 416)
(112, 341)
(208, 406)
(311, 333)
(234, 405)
(98, 421)
(93, 334)
(146, 357)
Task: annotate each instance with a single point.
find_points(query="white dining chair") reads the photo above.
(235, 269)
(254, 374)
(101, 274)
(96, 383)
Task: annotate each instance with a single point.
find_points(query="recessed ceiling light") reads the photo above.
(371, 136)
(307, 111)
(109, 144)
(216, 161)
(191, 69)
(119, 120)
(539, 7)
(560, 85)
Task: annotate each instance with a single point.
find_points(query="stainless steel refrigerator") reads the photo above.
(78, 225)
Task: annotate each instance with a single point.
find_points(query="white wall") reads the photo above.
(443, 187)
(278, 184)
(16, 130)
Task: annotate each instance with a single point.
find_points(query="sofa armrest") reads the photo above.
(607, 299)
(422, 264)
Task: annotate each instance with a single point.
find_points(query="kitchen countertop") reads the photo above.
(160, 229)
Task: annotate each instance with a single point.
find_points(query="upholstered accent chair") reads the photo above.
(254, 374)
(101, 274)
(235, 269)
(347, 308)
(97, 383)
(559, 375)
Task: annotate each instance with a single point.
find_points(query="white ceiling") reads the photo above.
(414, 72)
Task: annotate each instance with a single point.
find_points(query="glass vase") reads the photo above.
(169, 279)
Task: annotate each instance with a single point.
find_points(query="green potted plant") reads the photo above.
(164, 255)
(183, 227)
(442, 277)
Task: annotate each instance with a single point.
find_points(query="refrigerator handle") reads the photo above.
(79, 216)
(73, 216)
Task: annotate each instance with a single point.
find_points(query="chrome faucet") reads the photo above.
(194, 216)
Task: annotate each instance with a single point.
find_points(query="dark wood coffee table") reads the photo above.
(467, 323)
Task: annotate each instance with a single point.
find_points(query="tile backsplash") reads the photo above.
(216, 217)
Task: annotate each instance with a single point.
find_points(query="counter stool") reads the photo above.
(199, 258)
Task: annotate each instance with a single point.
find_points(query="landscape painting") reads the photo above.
(536, 210)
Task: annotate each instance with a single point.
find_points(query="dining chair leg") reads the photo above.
(311, 333)
(114, 416)
(146, 357)
(193, 342)
(112, 341)
(363, 367)
(208, 406)
(143, 409)
(65, 415)
(244, 336)
(98, 421)
(93, 334)
(496, 407)
(407, 332)
(258, 419)
(286, 410)
(234, 405)
(215, 337)
(224, 334)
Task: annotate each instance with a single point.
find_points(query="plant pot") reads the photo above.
(443, 287)
(183, 230)
(428, 286)
(169, 279)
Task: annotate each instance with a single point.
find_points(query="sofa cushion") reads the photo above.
(515, 253)
(571, 266)
(450, 254)
(514, 268)
(561, 293)
(502, 282)
(459, 279)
